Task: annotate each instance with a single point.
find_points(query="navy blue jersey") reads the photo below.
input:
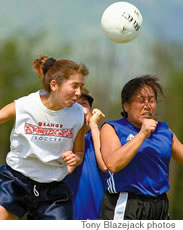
(148, 172)
(87, 183)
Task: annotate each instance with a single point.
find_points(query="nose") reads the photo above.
(78, 92)
(147, 103)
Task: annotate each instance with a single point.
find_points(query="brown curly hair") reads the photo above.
(49, 69)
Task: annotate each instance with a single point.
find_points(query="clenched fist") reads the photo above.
(148, 126)
(97, 116)
(71, 160)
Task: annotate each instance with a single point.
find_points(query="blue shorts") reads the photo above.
(39, 201)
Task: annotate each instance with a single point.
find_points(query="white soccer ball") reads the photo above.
(121, 22)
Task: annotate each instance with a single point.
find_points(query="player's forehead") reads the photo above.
(144, 91)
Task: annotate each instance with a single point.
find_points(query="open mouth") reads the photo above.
(147, 115)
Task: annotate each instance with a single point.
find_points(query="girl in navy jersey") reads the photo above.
(88, 180)
(137, 150)
(47, 143)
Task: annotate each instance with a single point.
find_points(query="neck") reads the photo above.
(137, 125)
(47, 101)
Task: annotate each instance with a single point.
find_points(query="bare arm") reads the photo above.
(78, 148)
(7, 113)
(116, 156)
(95, 119)
(75, 157)
(177, 150)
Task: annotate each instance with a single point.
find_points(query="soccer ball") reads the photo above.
(121, 22)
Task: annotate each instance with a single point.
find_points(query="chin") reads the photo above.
(70, 104)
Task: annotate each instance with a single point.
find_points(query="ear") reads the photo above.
(126, 107)
(53, 85)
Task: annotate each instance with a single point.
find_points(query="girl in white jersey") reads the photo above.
(47, 143)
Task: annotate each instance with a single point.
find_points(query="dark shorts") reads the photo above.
(128, 206)
(39, 201)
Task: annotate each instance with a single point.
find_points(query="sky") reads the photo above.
(79, 20)
(79, 23)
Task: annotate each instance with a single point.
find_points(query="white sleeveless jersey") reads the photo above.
(40, 136)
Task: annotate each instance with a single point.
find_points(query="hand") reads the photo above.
(71, 160)
(97, 116)
(148, 126)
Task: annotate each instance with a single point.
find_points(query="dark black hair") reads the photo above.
(88, 97)
(48, 64)
(136, 83)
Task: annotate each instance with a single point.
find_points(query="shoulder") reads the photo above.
(163, 127)
(162, 124)
(27, 97)
(119, 122)
(77, 109)
(26, 103)
(110, 126)
(76, 113)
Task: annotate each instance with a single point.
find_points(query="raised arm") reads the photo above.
(95, 119)
(117, 156)
(7, 113)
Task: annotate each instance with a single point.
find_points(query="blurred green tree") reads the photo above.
(14, 81)
(170, 72)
